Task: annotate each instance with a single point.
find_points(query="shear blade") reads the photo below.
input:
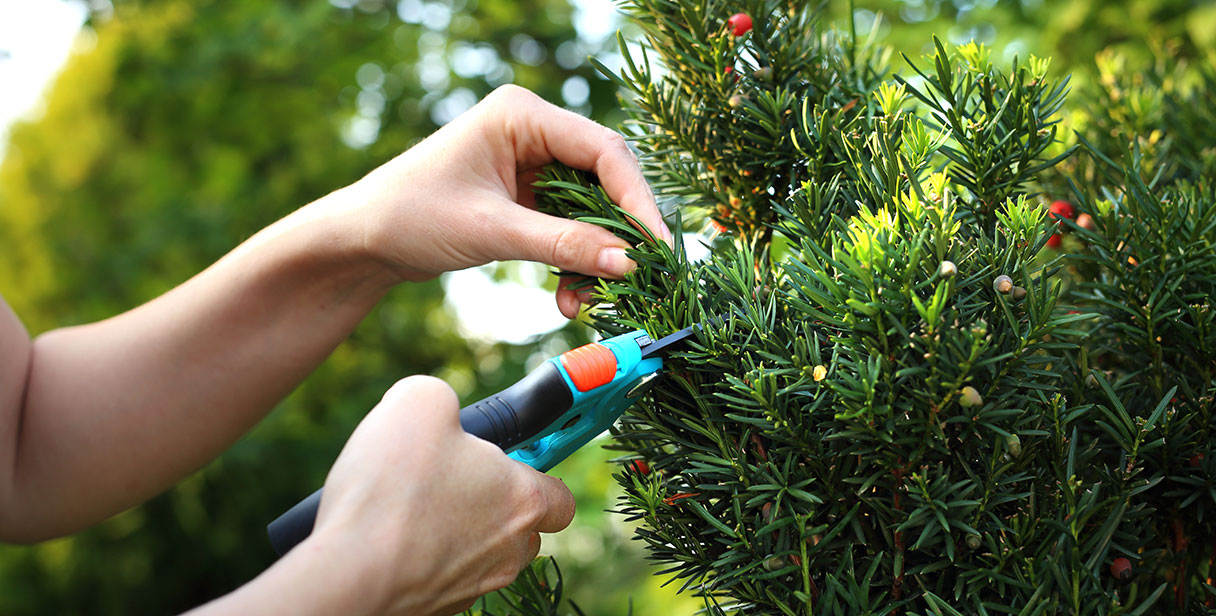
(667, 342)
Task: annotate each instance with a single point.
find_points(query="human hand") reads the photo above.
(427, 516)
(463, 196)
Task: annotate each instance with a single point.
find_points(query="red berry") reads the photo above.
(640, 466)
(1085, 221)
(1054, 241)
(1121, 568)
(1062, 209)
(740, 23)
(1196, 460)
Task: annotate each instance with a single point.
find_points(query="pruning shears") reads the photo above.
(545, 416)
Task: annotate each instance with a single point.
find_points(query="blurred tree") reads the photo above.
(181, 128)
(1071, 32)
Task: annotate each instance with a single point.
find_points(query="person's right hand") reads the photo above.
(431, 517)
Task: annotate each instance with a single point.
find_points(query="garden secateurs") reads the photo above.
(545, 416)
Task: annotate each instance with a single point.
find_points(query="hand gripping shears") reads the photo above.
(545, 416)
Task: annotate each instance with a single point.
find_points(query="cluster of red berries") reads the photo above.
(738, 24)
(1064, 209)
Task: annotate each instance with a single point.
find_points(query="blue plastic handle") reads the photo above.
(595, 410)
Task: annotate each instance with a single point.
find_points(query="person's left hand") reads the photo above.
(463, 196)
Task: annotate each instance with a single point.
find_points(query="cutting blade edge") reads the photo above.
(670, 340)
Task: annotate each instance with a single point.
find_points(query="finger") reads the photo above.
(456, 608)
(548, 132)
(567, 303)
(425, 392)
(533, 550)
(567, 298)
(558, 501)
(565, 244)
(523, 187)
(570, 300)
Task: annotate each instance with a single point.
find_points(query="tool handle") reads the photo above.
(294, 525)
(520, 411)
(506, 419)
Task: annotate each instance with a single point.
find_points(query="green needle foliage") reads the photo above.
(1147, 268)
(889, 408)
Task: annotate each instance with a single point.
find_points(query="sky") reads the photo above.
(35, 39)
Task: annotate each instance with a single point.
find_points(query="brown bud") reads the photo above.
(1003, 284)
(1018, 294)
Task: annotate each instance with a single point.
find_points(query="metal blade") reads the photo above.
(663, 343)
(667, 342)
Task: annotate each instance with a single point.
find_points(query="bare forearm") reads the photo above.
(116, 411)
(309, 580)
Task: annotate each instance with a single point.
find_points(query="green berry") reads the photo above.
(1014, 445)
(974, 541)
(969, 397)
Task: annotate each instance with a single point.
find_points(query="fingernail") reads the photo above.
(585, 296)
(613, 261)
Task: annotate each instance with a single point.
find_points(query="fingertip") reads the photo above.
(615, 262)
(567, 303)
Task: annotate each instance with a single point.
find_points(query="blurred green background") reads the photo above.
(179, 128)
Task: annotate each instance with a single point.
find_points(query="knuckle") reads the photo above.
(501, 578)
(567, 249)
(530, 502)
(484, 450)
(615, 142)
(420, 386)
(510, 94)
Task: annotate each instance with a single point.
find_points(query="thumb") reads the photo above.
(566, 244)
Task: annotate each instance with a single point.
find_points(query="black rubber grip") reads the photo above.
(289, 529)
(520, 411)
(506, 419)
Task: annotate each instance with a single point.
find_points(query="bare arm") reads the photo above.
(115, 411)
(97, 418)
